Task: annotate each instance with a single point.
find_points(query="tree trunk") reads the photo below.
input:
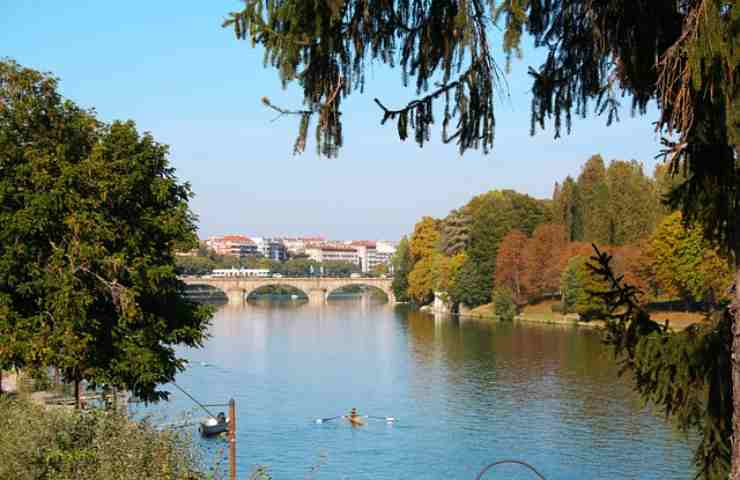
(77, 393)
(735, 359)
(1, 381)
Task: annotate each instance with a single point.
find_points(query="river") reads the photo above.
(465, 394)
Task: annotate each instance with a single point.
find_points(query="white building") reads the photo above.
(271, 248)
(298, 245)
(332, 253)
(384, 252)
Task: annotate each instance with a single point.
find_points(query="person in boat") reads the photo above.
(353, 418)
(221, 418)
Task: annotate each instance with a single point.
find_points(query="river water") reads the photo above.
(465, 394)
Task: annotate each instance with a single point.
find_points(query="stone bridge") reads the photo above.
(317, 289)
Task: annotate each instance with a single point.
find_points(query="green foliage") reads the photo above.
(580, 290)
(327, 45)
(470, 287)
(503, 303)
(567, 209)
(686, 264)
(686, 374)
(90, 215)
(336, 268)
(594, 195)
(37, 442)
(402, 265)
(495, 214)
(632, 209)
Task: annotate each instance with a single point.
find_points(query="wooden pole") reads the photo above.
(232, 439)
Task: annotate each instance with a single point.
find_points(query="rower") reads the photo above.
(354, 419)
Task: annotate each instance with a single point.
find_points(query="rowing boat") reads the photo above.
(355, 421)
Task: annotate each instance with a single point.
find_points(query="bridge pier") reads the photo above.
(236, 297)
(317, 296)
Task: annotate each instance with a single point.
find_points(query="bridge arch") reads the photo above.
(387, 292)
(317, 289)
(254, 291)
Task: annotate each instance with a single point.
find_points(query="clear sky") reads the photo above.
(172, 68)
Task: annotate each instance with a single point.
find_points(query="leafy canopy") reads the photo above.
(90, 218)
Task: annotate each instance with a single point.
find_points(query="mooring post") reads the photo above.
(232, 439)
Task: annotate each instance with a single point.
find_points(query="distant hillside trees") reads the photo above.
(504, 239)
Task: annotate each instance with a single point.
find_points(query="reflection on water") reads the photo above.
(466, 394)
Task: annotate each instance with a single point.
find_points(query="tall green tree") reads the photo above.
(594, 197)
(90, 217)
(682, 54)
(567, 209)
(402, 265)
(632, 211)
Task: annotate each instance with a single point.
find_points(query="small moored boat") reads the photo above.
(214, 426)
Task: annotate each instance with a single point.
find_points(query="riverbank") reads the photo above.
(542, 313)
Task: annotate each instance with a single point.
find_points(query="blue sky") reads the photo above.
(172, 68)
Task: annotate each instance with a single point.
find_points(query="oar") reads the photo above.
(322, 420)
(387, 419)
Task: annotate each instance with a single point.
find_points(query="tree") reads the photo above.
(567, 209)
(510, 265)
(455, 232)
(471, 287)
(682, 54)
(594, 196)
(402, 265)
(504, 304)
(542, 260)
(632, 208)
(686, 264)
(425, 239)
(495, 214)
(422, 280)
(90, 217)
(580, 288)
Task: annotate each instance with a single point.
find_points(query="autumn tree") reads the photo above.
(510, 265)
(425, 239)
(686, 264)
(542, 259)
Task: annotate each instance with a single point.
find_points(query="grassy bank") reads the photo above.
(542, 313)
(61, 444)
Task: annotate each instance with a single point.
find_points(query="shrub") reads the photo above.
(59, 444)
(503, 303)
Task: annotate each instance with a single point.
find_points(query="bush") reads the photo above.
(503, 303)
(59, 444)
(556, 308)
